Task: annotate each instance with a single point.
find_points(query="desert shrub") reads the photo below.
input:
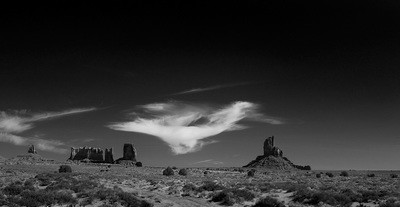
(251, 173)
(394, 175)
(288, 186)
(224, 198)
(344, 174)
(106, 205)
(183, 172)
(291, 187)
(210, 186)
(315, 197)
(390, 203)
(371, 195)
(139, 164)
(189, 187)
(168, 171)
(371, 175)
(43, 197)
(106, 194)
(13, 189)
(206, 172)
(64, 184)
(23, 201)
(43, 179)
(65, 169)
(354, 197)
(268, 202)
(29, 183)
(329, 174)
(242, 194)
(131, 200)
(83, 185)
(318, 175)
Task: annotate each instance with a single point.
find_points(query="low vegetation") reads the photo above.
(86, 185)
(183, 172)
(344, 174)
(168, 171)
(268, 202)
(65, 169)
(48, 189)
(231, 196)
(251, 173)
(329, 174)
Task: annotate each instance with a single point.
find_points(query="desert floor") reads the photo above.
(105, 185)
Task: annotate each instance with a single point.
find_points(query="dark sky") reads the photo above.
(328, 69)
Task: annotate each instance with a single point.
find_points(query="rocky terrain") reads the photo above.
(98, 155)
(31, 180)
(219, 186)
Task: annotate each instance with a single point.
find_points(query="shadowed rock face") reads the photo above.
(108, 156)
(129, 152)
(270, 149)
(129, 156)
(92, 154)
(31, 149)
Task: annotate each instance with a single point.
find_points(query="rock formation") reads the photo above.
(129, 155)
(91, 154)
(270, 149)
(98, 155)
(108, 156)
(273, 158)
(129, 152)
(31, 149)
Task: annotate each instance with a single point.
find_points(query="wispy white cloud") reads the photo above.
(198, 90)
(210, 161)
(15, 122)
(42, 144)
(88, 140)
(185, 127)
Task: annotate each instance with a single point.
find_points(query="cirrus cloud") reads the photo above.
(18, 121)
(184, 127)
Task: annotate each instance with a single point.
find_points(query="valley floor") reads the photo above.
(116, 185)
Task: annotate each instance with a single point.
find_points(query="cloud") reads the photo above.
(185, 127)
(42, 144)
(15, 122)
(198, 90)
(210, 161)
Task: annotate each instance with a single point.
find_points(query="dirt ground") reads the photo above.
(150, 184)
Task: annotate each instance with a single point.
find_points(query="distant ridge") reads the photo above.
(273, 159)
(29, 158)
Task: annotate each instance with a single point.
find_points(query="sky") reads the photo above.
(203, 84)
